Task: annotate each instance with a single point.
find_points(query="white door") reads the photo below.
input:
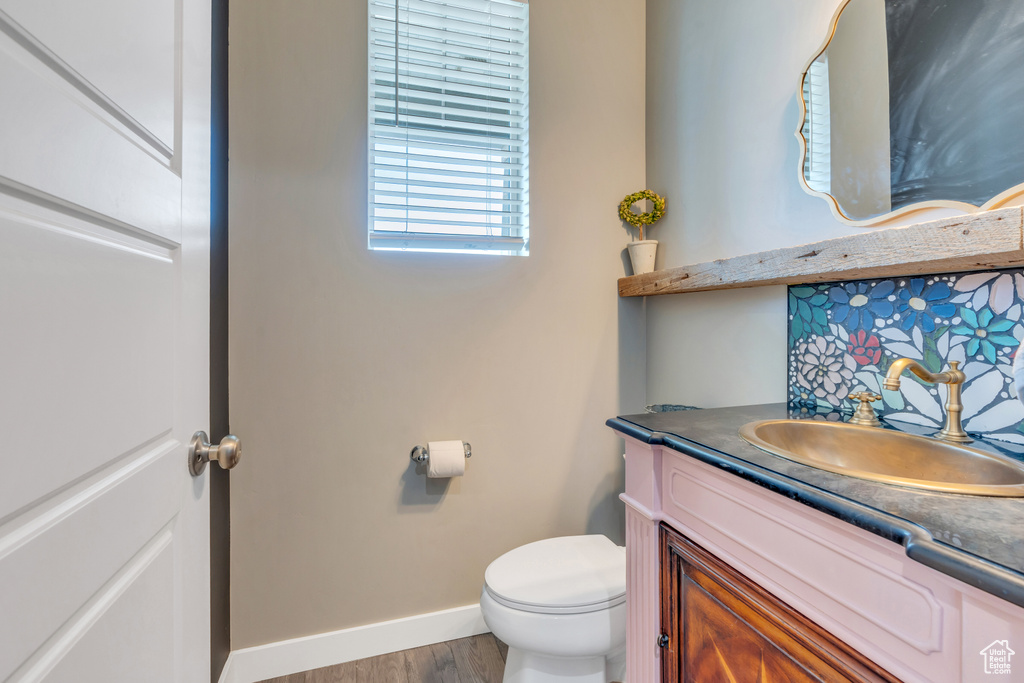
(104, 258)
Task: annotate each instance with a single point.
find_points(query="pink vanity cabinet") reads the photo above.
(746, 581)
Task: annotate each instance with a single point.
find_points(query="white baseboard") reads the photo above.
(326, 649)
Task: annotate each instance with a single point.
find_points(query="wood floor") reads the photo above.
(480, 659)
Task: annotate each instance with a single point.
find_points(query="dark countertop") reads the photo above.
(976, 539)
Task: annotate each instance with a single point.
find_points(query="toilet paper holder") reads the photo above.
(421, 454)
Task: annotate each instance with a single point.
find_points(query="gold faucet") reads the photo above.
(865, 414)
(953, 378)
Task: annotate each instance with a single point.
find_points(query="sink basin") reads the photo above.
(888, 456)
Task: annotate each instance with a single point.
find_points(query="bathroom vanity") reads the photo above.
(746, 566)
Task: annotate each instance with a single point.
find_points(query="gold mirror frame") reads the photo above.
(1000, 200)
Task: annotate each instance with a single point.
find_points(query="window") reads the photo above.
(817, 130)
(448, 157)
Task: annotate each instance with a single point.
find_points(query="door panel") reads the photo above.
(93, 344)
(121, 635)
(104, 339)
(62, 138)
(62, 536)
(720, 645)
(135, 68)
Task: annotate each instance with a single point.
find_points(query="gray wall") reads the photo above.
(343, 359)
(722, 109)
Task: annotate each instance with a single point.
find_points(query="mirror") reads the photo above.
(914, 104)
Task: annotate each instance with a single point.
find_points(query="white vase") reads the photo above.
(641, 255)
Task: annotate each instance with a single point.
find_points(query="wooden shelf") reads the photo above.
(981, 241)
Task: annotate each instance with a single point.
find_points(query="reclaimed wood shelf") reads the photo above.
(981, 241)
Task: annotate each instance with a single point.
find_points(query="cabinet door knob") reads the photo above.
(663, 640)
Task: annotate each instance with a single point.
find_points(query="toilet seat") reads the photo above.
(567, 575)
(548, 609)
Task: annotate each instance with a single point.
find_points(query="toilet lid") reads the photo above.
(571, 574)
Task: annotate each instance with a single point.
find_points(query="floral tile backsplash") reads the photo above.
(844, 336)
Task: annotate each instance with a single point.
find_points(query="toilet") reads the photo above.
(560, 606)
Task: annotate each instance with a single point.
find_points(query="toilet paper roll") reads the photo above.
(447, 459)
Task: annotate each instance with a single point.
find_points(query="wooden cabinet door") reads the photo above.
(723, 627)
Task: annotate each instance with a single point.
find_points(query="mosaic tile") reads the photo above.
(843, 337)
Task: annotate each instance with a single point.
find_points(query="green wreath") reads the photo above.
(639, 220)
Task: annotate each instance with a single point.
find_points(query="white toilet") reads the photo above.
(560, 606)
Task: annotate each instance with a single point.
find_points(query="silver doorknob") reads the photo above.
(201, 451)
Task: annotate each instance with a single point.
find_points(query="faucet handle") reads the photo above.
(865, 414)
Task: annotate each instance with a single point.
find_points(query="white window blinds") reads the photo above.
(817, 130)
(448, 162)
